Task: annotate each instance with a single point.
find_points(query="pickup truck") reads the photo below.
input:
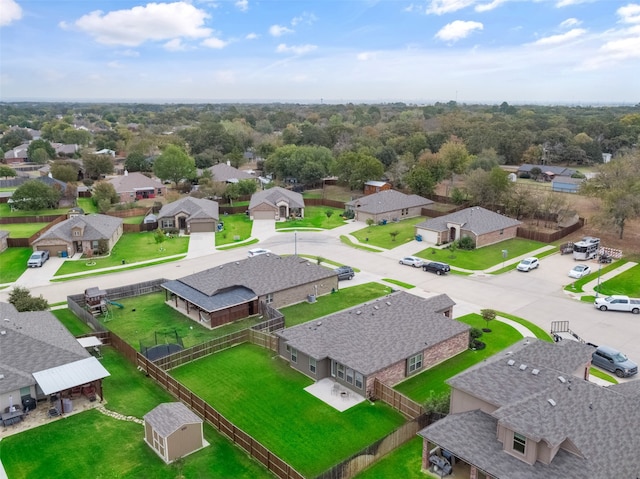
(37, 259)
(618, 303)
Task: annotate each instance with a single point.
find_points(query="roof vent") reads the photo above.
(3, 332)
(522, 367)
(388, 303)
(535, 372)
(1, 376)
(551, 401)
(7, 319)
(358, 312)
(562, 379)
(319, 323)
(511, 362)
(376, 307)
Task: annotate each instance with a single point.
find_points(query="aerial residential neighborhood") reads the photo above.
(195, 310)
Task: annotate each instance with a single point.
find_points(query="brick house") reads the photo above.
(136, 186)
(371, 187)
(531, 413)
(484, 226)
(193, 215)
(387, 205)
(225, 173)
(390, 339)
(276, 204)
(235, 290)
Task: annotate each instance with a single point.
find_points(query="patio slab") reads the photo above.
(340, 398)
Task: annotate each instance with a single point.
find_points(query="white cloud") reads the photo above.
(251, 36)
(412, 8)
(279, 30)
(568, 3)
(214, 42)
(225, 76)
(629, 13)
(129, 53)
(486, 7)
(115, 64)
(458, 30)
(175, 45)
(10, 11)
(366, 56)
(295, 49)
(306, 18)
(242, 5)
(570, 22)
(562, 38)
(440, 7)
(152, 22)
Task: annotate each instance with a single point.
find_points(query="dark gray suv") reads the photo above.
(437, 268)
(345, 272)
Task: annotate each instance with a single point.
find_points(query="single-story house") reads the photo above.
(390, 339)
(225, 173)
(3, 240)
(276, 204)
(17, 154)
(531, 413)
(136, 186)
(65, 149)
(235, 290)
(565, 184)
(484, 226)
(173, 431)
(548, 172)
(79, 234)
(387, 205)
(193, 215)
(41, 357)
(371, 187)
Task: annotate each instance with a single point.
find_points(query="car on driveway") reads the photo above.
(257, 252)
(614, 361)
(38, 258)
(412, 261)
(345, 272)
(528, 264)
(579, 271)
(436, 267)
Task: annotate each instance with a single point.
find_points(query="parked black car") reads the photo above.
(437, 268)
(345, 272)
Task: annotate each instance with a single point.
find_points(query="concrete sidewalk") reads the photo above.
(589, 289)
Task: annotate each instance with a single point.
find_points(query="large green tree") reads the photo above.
(35, 195)
(97, 165)
(420, 181)
(7, 171)
(37, 145)
(174, 165)
(64, 172)
(357, 168)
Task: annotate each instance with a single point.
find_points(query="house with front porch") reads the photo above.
(136, 186)
(191, 215)
(530, 412)
(276, 204)
(388, 339)
(387, 205)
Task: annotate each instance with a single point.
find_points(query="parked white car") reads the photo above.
(257, 252)
(38, 258)
(618, 303)
(579, 271)
(528, 264)
(412, 261)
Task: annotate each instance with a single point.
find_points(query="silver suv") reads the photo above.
(345, 272)
(614, 361)
(37, 259)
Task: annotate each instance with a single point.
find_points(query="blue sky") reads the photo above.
(416, 51)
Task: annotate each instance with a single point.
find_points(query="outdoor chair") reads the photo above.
(53, 412)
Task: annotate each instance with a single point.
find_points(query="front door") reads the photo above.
(78, 246)
(452, 234)
(283, 211)
(182, 222)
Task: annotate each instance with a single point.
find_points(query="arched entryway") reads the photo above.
(452, 234)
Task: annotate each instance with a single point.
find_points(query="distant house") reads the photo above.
(276, 203)
(173, 431)
(63, 149)
(17, 154)
(225, 173)
(549, 172)
(565, 184)
(193, 215)
(3, 240)
(484, 226)
(79, 234)
(235, 290)
(371, 187)
(136, 186)
(389, 339)
(387, 205)
(531, 413)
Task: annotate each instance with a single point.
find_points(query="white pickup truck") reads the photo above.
(618, 303)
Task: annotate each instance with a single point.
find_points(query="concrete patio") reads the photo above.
(334, 394)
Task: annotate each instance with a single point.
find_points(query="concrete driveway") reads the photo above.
(201, 244)
(33, 277)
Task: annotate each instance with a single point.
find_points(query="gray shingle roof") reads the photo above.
(192, 207)
(134, 181)
(556, 170)
(388, 200)
(96, 227)
(167, 418)
(33, 341)
(377, 334)
(274, 195)
(226, 173)
(476, 219)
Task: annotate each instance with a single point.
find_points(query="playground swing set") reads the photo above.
(97, 303)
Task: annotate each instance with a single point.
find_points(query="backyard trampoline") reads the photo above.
(163, 344)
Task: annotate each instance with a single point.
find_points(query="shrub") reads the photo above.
(477, 345)
(349, 214)
(466, 242)
(437, 404)
(475, 333)
(23, 301)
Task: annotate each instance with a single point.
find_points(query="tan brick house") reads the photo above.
(387, 205)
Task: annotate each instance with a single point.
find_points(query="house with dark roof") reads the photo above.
(173, 431)
(531, 413)
(548, 172)
(387, 205)
(388, 339)
(17, 154)
(484, 226)
(80, 234)
(235, 290)
(225, 173)
(276, 204)
(192, 215)
(40, 357)
(136, 186)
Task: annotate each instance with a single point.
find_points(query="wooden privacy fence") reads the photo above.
(30, 219)
(139, 211)
(324, 202)
(26, 242)
(397, 400)
(128, 228)
(549, 237)
(232, 210)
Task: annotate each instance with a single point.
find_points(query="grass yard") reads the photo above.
(131, 248)
(432, 381)
(576, 286)
(5, 212)
(71, 321)
(379, 235)
(627, 282)
(133, 220)
(404, 462)
(23, 230)
(234, 226)
(402, 284)
(481, 258)
(264, 396)
(77, 443)
(330, 303)
(513, 266)
(536, 330)
(13, 262)
(315, 217)
(87, 205)
(345, 240)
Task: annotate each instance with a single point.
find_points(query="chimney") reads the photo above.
(228, 162)
(126, 173)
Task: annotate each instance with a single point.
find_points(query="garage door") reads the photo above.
(263, 215)
(204, 227)
(53, 249)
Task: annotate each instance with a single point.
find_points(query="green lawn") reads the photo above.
(577, 285)
(536, 330)
(402, 284)
(5, 212)
(131, 248)
(133, 220)
(404, 462)
(87, 205)
(71, 322)
(264, 396)
(23, 230)
(13, 262)
(345, 240)
(432, 381)
(346, 297)
(481, 258)
(72, 447)
(315, 217)
(234, 226)
(513, 266)
(627, 282)
(379, 235)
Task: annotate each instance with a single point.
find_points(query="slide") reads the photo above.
(118, 305)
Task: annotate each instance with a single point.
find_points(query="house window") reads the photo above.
(94, 244)
(501, 232)
(288, 348)
(340, 370)
(167, 223)
(269, 298)
(359, 380)
(519, 442)
(130, 195)
(312, 365)
(415, 363)
(350, 375)
(159, 191)
(294, 355)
